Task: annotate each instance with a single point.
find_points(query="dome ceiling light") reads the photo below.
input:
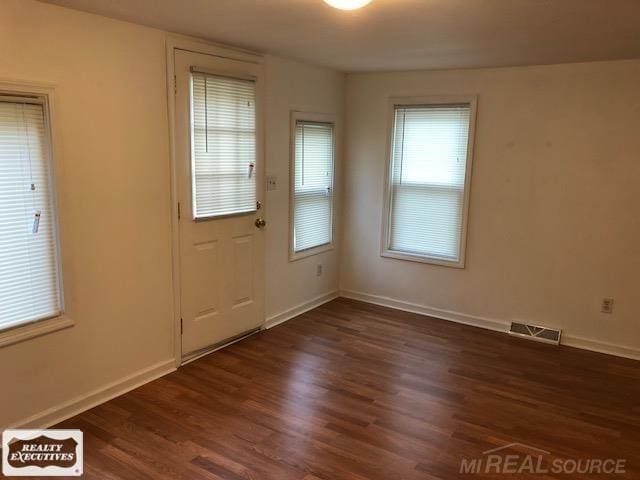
(347, 4)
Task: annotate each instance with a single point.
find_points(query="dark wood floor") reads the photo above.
(355, 391)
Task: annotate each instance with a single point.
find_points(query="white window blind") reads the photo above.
(313, 185)
(223, 145)
(29, 283)
(428, 169)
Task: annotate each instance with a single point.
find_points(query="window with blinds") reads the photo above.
(223, 126)
(428, 178)
(312, 185)
(29, 276)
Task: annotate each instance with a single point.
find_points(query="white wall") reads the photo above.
(554, 222)
(113, 183)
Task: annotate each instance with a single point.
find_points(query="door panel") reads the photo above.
(221, 258)
(206, 287)
(243, 256)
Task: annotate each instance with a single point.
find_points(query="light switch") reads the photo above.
(272, 183)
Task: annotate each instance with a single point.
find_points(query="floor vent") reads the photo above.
(532, 332)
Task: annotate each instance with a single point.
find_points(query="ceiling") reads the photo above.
(399, 34)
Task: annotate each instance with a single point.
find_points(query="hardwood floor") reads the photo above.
(356, 391)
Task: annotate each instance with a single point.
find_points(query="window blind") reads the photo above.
(29, 283)
(223, 145)
(313, 185)
(428, 168)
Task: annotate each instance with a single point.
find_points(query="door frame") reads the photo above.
(173, 43)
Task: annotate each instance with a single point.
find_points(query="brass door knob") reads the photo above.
(260, 222)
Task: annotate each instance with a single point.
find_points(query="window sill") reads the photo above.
(293, 256)
(412, 257)
(34, 329)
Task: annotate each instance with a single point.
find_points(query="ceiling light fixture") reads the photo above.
(347, 4)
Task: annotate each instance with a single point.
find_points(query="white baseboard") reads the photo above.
(601, 347)
(490, 324)
(79, 404)
(279, 318)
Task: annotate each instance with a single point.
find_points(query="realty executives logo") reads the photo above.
(45, 453)
(520, 459)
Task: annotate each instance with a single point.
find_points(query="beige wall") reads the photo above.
(113, 194)
(114, 199)
(554, 224)
(294, 86)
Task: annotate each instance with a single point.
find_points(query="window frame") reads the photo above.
(43, 93)
(427, 101)
(297, 116)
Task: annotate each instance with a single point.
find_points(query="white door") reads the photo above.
(219, 176)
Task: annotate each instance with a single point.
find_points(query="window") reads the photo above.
(312, 184)
(29, 275)
(223, 126)
(428, 189)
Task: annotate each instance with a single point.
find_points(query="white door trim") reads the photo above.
(173, 43)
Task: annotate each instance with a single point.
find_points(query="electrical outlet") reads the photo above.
(607, 305)
(318, 270)
(272, 183)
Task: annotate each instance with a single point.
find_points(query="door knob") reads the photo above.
(260, 222)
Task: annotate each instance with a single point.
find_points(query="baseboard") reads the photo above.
(82, 403)
(300, 309)
(601, 347)
(490, 324)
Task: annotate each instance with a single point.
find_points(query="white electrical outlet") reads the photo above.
(272, 183)
(607, 305)
(318, 270)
